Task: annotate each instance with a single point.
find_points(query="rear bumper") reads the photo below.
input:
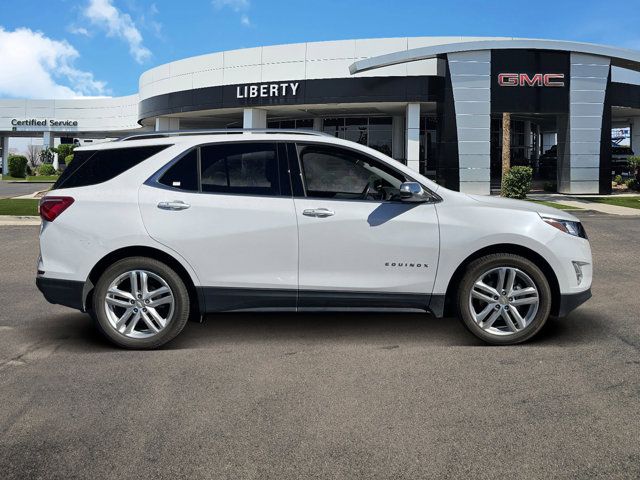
(569, 302)
(61, 292)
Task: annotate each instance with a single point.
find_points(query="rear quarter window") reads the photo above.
(90, 167)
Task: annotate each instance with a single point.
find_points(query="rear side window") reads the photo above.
(234, 168)
(245, 168)
(91, 167)
(183, 174)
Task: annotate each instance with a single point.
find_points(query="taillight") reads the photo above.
(51, 207)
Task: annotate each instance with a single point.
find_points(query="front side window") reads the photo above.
(333, 172)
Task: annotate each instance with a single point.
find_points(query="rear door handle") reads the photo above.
(318, 212)
(175, 205)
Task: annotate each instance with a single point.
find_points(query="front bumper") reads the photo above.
(571, 301)
(62, 292)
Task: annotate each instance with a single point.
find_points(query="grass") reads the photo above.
(12, 206)
(39, 178)
(559, 206)
(631, 202)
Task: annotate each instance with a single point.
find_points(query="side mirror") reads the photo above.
(413, 192)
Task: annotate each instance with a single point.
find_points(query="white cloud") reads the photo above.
(78, 30)
(102, 13)
(237, 6)
(36, 66)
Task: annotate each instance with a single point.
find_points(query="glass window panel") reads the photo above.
(183, 174)
(91, 167)
(306, 123)
(245, 168)
(381, 140)
(331, 172)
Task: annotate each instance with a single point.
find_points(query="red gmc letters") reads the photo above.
(536, 80)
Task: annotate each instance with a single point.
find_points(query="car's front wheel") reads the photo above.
(504, 299)
(140, 303)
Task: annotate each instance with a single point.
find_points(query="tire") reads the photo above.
(526, 311)
(147, 319)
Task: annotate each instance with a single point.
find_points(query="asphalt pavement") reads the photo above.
(15, 189)
(342, 396)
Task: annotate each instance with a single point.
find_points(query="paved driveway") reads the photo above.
(11, 189)
(324, 396)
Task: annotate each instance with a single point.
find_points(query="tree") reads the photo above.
(64, 150)
(46, 155)
(506, 144)
(33, 154)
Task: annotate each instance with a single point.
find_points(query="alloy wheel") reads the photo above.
(139, 304)
(504, 301)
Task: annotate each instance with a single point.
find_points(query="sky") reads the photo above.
(74, 48)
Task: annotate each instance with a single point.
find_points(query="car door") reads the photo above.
(359, 244)
(227, 209)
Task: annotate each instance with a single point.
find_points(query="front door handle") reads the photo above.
(318, 212)
(175, 205)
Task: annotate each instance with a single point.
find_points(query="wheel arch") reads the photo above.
(140, 251)
(448, 307)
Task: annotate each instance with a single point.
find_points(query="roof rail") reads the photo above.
(219, 131)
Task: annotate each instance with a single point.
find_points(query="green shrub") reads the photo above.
(29, 170)
(46, 169)
(631, 183)
(517, 182)
(18, 166)
(550, 187)
(617, 179)
(67, 159)
(64, 150)
(634, 165)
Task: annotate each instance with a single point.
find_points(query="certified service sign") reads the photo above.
(33, 122)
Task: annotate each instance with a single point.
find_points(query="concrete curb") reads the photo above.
(15, 220)
(584, 203)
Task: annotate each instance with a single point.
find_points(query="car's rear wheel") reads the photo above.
(140, 303)
(504, 299)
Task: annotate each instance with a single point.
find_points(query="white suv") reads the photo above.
(148, 231)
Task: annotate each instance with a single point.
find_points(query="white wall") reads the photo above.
(299, 61)
(93, 115)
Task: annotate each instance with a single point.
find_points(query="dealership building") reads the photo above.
(434, 103)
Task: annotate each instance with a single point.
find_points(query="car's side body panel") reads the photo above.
(231, 240)
(368, 246)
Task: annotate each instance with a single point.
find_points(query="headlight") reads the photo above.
(567, 226)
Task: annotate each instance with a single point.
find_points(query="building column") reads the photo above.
(579, 164)
(317, 124)
(254, 118)
(4, 145)
(635, 135)
(471, 84)
(397, 138)
(412, 122)
(167, 124)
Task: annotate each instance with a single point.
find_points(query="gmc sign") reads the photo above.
(537, 80)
